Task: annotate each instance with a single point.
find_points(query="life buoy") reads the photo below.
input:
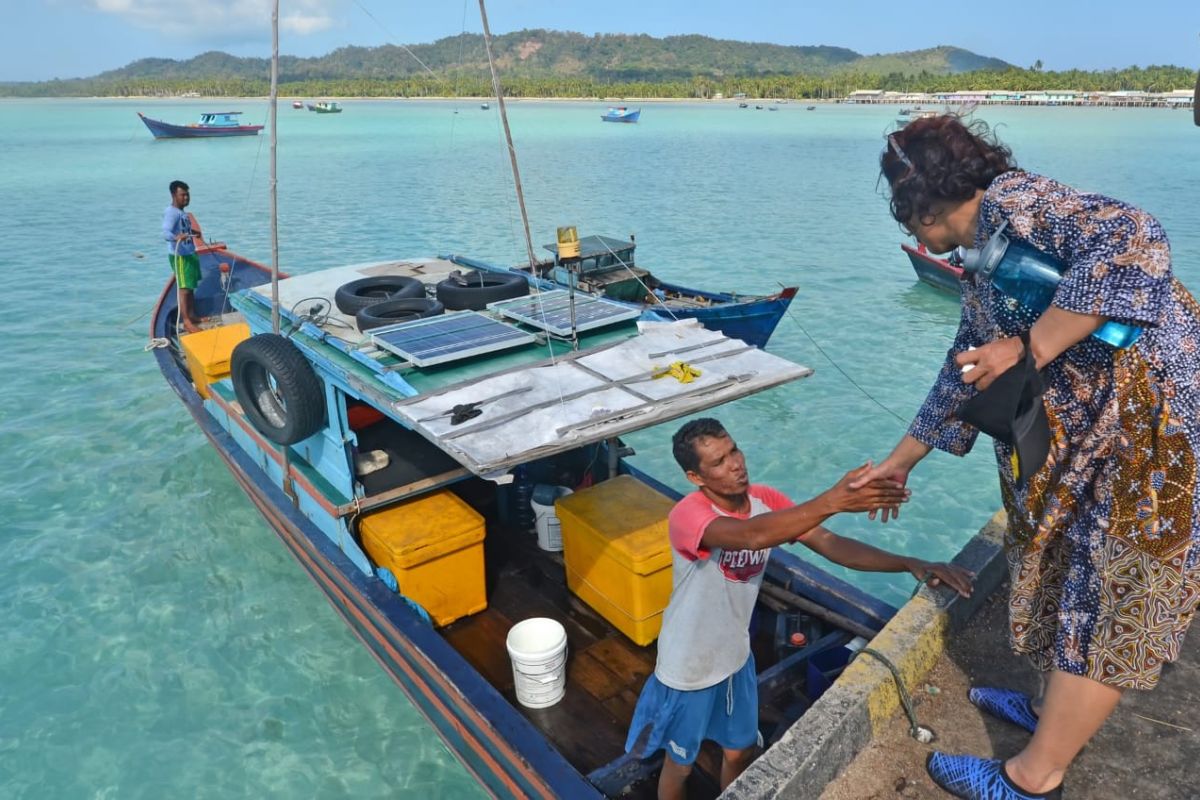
(356, 295)
(477, 289)
(277, 388)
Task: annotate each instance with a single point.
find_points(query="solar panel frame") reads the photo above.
(550, 311)
(448, 337)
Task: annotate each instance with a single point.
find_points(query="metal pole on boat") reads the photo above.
(274, 199)
(274, 205)
(512, 151)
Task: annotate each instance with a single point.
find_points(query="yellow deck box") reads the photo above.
(208, 353)
(434, 547)
(618, 554)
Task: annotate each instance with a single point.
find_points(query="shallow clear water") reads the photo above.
(157, 640)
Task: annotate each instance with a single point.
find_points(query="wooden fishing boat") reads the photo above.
(325, 107)
(621, 114)
(471, 410)
(937, 272)
(221, 123)
(606, 268)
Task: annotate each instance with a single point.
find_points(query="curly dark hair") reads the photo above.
(940, 159)
(683, 443)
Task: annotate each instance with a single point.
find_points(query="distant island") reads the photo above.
(542, 63)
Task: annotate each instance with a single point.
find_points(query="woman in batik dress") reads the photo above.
(1103, 541)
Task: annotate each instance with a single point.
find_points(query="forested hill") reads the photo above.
(608, 58)
(540, 63)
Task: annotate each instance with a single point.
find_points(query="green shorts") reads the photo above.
(186, 269)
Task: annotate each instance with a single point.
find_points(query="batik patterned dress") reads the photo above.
(1104, 542)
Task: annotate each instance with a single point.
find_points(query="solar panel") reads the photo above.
(448, 337)
(551, 311)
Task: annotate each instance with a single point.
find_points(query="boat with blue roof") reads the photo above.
(407, 425)
(211, 124)
(621, 114)
(605, 268)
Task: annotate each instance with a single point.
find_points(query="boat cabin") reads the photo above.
(221, 119)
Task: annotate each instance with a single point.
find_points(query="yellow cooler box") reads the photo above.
(434, 547)
(618, 553)
(208, 353)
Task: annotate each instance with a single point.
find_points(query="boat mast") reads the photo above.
(274, 198)
(512, 151)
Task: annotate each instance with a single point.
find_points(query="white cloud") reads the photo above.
(231, 18)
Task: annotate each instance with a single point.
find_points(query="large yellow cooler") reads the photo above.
(208, 353)
(618, 553)
(434, 547)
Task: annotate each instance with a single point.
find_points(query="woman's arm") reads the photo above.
(1055, 331)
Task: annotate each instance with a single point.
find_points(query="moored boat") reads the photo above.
(621, 114)
(297, 104)
(325, 107)
(606, 268)
(348, 440)
(906, 116)
(221, 123)
(937, 272)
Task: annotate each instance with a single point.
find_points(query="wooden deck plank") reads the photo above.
(629, 662)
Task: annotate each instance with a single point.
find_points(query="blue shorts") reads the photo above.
(677, 721)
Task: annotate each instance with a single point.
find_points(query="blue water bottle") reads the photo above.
(1030, 277)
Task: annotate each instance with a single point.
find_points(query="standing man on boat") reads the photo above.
(181, 251)
(704, 684)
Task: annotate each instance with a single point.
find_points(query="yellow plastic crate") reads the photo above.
(434, 547)
(618, 554)
(208, 353)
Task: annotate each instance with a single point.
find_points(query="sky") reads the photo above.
(46, 39)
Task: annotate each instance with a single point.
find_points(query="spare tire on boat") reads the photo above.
(356, 295)
(479, 289)
(389, 312)
(277, 388)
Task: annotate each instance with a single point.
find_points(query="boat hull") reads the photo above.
(165, 130)
(936, 272)
(630, 117)
(750, 318)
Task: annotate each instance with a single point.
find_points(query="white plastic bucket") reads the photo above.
(549, 532)
(538, 649)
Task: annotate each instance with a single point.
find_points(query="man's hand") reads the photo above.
(984, 364)
(886, 470)
(937, 573)
(859, 491)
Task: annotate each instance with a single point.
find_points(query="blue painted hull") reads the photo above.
(750, 318)
(630, 117)
(165, 130)
(937, 272)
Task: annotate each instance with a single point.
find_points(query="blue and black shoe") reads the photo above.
(1007, 705)
(974, 778)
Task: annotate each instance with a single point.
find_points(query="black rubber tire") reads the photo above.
(389, 312)
(482, 288)
(356, 295)
(277, 388)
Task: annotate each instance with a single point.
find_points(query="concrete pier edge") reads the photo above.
(847, 716)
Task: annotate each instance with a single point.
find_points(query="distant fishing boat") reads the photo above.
(484, 106)
(743, 105)
(223, 123)
(906, 116)
(606, 269)
(297, 104)
(811, 108)
(621, 114)
(325, 107)
(937, 272)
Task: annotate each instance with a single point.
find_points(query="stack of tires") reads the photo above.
(385, 300)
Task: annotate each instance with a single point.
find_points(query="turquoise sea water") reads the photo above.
(156, 640)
